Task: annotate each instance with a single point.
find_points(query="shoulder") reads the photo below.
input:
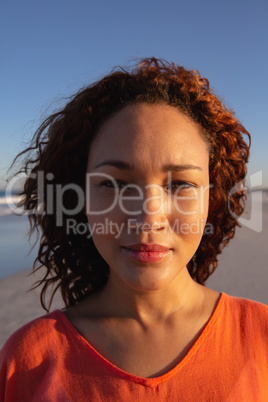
(247, 317)
(250, 309)
(31, 357)
(30, 342)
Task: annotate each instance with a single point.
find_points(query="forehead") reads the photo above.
(142, 132)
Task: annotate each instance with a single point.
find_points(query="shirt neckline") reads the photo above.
(152, 381)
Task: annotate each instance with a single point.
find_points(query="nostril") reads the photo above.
(146, 227)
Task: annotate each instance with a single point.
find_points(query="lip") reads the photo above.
(146, 253)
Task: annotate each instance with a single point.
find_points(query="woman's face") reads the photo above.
(147, 194)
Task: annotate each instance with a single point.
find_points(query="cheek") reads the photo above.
(106, 227)
(189, 215)
(106, 224)
(191, 204)
(102, 236)
(99, 205)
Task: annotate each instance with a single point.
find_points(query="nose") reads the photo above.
(154, 211)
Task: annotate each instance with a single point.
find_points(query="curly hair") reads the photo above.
(61, 144)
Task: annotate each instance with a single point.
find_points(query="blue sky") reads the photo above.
(50, 49)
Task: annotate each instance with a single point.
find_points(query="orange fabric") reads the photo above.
(48, 360)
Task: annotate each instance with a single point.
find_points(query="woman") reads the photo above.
(160, 161)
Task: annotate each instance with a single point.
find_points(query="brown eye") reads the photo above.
(113, 184)
(179, 185)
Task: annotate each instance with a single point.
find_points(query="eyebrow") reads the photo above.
(166, 168)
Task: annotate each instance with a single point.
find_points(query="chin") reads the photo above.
(149, 280)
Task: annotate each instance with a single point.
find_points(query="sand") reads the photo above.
(18, 306)
(242, 272)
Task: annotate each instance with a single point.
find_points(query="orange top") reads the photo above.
(48, 360)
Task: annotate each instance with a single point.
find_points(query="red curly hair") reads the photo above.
(61, 146)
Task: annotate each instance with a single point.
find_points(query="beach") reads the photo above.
(242, 272)
(19, 305)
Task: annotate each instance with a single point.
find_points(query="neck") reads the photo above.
(180, 296)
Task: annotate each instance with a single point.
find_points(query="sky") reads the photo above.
(50, 49)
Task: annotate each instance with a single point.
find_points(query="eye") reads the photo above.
(113, 184)
(179, 185)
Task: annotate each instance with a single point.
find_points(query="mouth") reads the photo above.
(146, 253)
